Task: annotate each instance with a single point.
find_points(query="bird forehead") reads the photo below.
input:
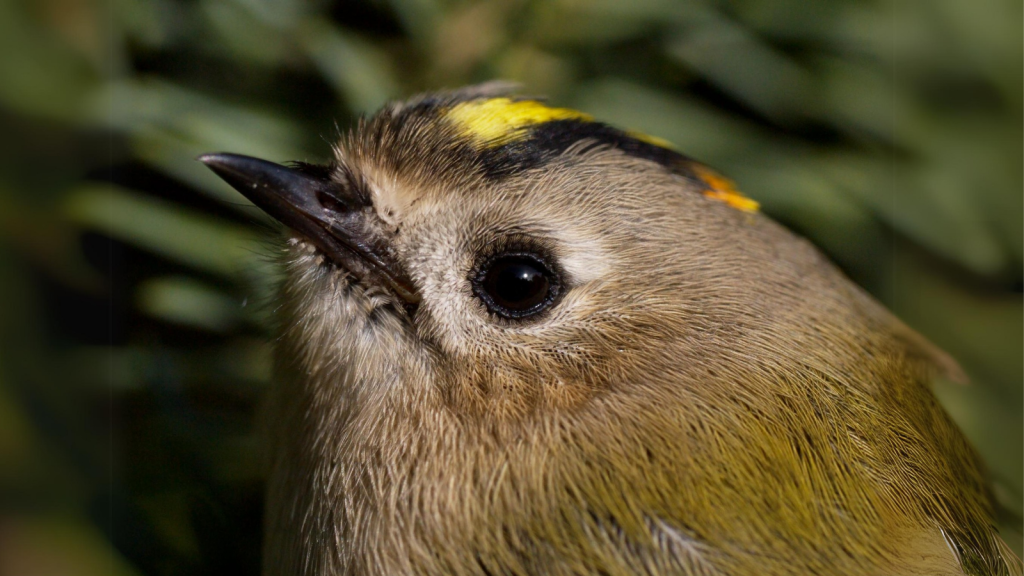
(450, 141)
(507, 136)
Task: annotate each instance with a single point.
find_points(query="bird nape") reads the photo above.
(515, 340)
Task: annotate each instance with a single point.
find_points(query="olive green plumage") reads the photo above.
(692, 389)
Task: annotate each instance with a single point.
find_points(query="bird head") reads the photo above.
(495, 308)
(510, 257)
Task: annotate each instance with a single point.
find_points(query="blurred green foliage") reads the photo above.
(137, 287)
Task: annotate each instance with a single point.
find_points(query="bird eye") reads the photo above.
(516, 285)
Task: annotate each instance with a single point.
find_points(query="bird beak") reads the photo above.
(339, 229)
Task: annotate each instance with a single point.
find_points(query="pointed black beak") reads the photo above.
(330, 216)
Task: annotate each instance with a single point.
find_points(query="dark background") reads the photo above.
(133, 337)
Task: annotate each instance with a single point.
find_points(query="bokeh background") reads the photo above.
(136, 286)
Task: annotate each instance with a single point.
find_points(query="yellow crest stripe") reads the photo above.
(494, 122)
(498, 121)
(723, 189)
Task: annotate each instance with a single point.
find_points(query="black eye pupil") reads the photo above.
(516, 285)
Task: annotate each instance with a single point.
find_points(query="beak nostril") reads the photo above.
(333, 203)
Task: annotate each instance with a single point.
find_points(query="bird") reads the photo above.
(515, 340)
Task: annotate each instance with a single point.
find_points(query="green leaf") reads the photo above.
(186, 301)
(182, 235)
